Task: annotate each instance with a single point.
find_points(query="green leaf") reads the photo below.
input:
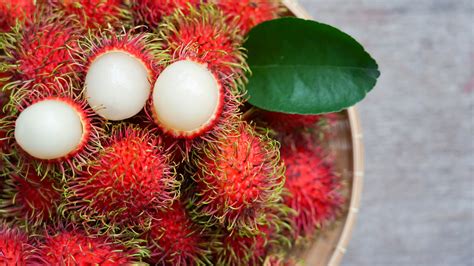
(305, 67)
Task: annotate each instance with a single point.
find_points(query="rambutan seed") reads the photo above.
(50, 129)
(187, 99)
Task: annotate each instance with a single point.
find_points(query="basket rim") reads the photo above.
(358, 161)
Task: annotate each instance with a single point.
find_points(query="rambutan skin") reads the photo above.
(92, 14)
(74, 247)
(205, 36)
(151, 12)
(315, 191)
(11, 11)
(29, 199)
(131, 175)
(174, 239)
(249, 13)
(40, 53)
(15, 248)
(238, 176)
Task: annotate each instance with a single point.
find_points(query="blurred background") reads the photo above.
(418, 200)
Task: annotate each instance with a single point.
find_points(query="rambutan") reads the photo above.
(174, 239)
(236, 248)
(203, 35)
(249, 13)
(93, 14)
(29, 199)
(15, 248)
(151, 12)
(52, 133)
(75, 247)
(315, 189)
(287, 123)
(13, 11)
(39, 53)
(238, 176)
(131, 175)
(119, 71)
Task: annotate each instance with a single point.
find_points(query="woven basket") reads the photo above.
(346, 143)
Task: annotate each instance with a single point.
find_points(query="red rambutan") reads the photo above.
(287, 123)
(129, 176)
(92, 13)
(121, 91)
(74, 247)
(13, 11)
(174, 239)
(151, 12)
(254, 249)
(15, 248)
(39, 53)
(238, 176)
(204, 35)
(249, 13)
(29, 199)
(315, 189)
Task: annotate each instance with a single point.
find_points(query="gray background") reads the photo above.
(417, 207)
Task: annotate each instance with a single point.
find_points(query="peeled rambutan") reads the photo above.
(315, 191)
(129, 176)
(238, 176)
(203, 35)
(39, 53)
(75, 247)
(13, 11)
(15, 248)
(174, 239)
(151, 12)
(249, 13)
(121, 91)
(29, 199)
(235, 248)
(52, 133)
(92, 14)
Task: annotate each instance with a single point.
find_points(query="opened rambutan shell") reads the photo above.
(238, 176)
(15, 247)
(151, 12)
(131, 175)
(174, 239)
(13, 11)
(315, 191)
(249, 13)
(135, 59)
(67, 160)
(204, 35)
(92, 14)
(39, 53)
(75, 247)
(29, 199)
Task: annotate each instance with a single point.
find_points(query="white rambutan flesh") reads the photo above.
(186, 97)
(49, 129)
(117, 85)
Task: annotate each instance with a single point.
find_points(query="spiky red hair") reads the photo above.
(151, 12)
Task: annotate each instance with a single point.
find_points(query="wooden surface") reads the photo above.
(418, 201)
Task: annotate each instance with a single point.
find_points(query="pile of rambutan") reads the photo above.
(125, 138)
